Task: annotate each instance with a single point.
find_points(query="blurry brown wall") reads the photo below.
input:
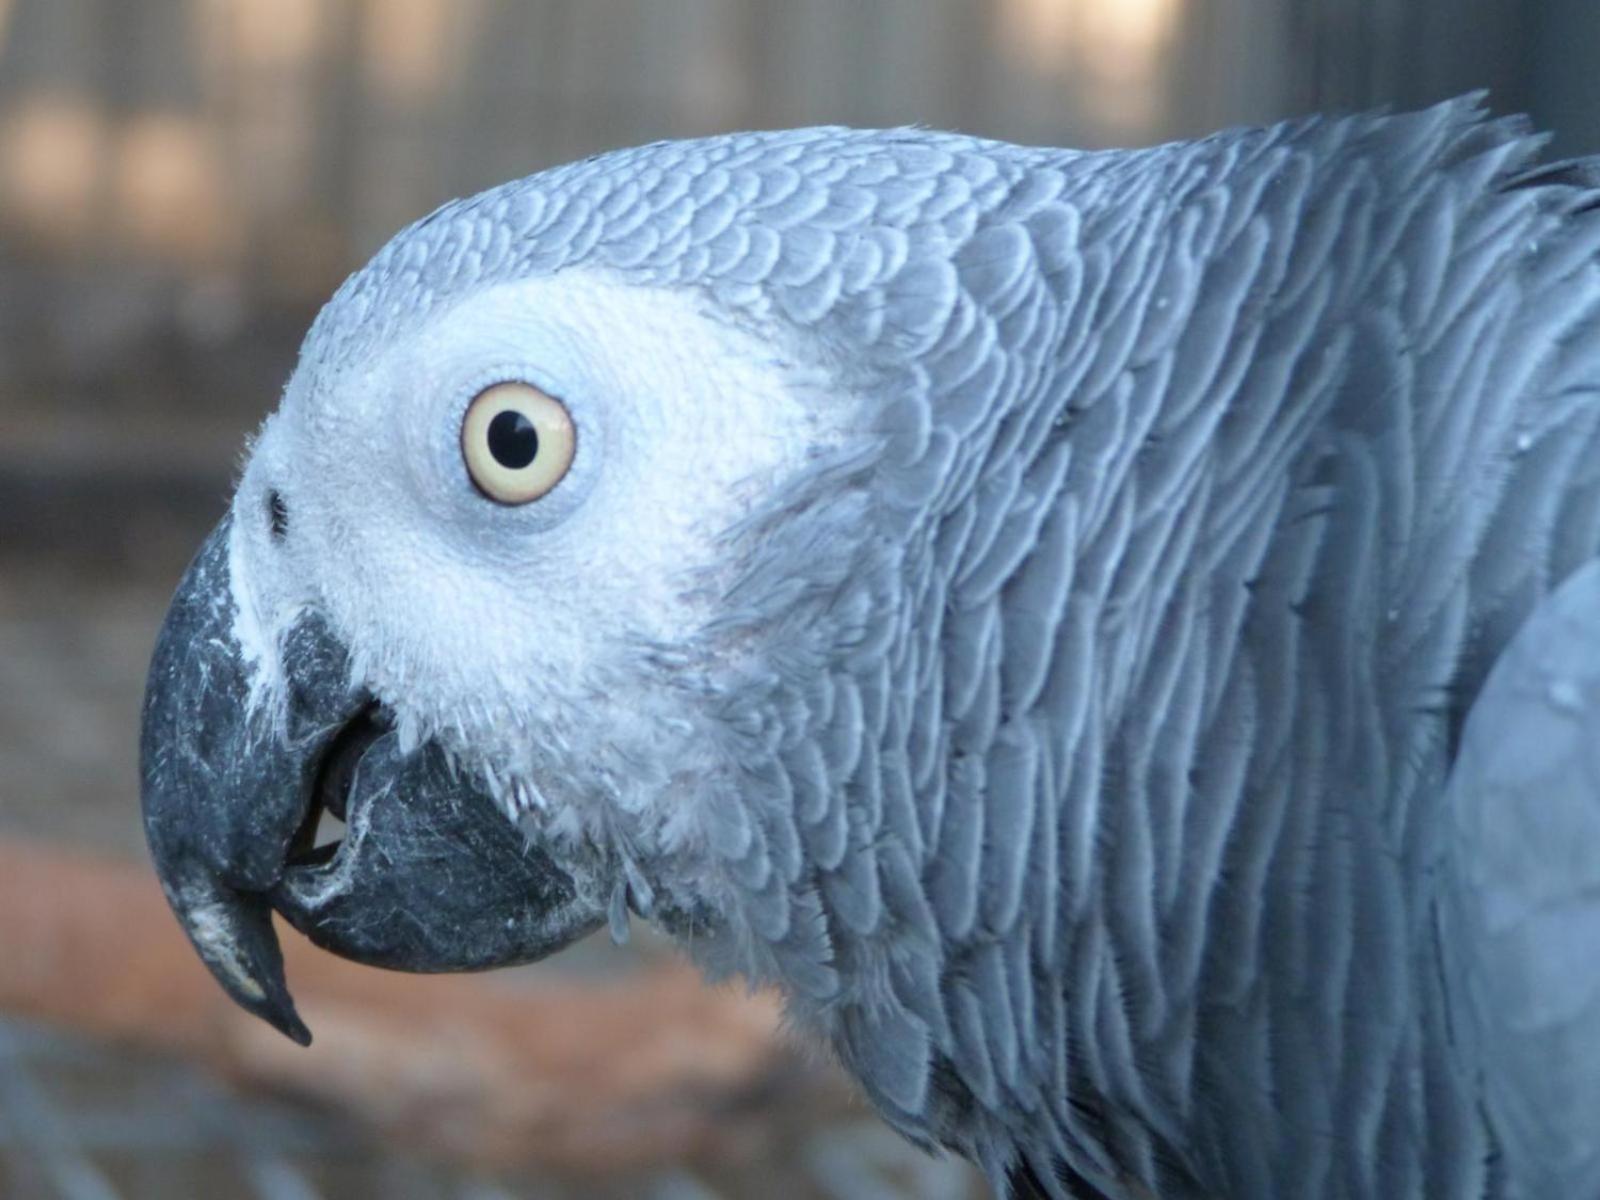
(275, 142)
(230, 156)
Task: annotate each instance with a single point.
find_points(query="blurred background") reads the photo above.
(181, 183)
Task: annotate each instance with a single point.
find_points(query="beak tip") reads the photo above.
(234, 936)
(263, 993)
(292, 1027)
(273, 1004)
(279, 1012)
(271, 1000)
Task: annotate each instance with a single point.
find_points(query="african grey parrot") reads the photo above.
(1114, 637)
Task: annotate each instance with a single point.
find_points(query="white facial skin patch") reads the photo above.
(526, 620)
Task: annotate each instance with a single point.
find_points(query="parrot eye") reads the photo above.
(517, 442)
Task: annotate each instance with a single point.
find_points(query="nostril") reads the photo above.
(277, 515)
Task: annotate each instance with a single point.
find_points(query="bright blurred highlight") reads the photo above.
(1115, 53)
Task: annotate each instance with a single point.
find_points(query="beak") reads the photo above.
(430, 876)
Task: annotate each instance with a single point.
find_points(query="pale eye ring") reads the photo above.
(517, 442)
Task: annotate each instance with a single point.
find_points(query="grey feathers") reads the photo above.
(1521, 901)
(1112, 665)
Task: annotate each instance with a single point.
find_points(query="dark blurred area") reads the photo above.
(181, 183)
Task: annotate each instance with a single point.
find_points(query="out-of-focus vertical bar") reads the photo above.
(1561, 63)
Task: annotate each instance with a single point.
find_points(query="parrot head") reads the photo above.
(540, 564)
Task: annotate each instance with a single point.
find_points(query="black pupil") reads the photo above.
(513, 440)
